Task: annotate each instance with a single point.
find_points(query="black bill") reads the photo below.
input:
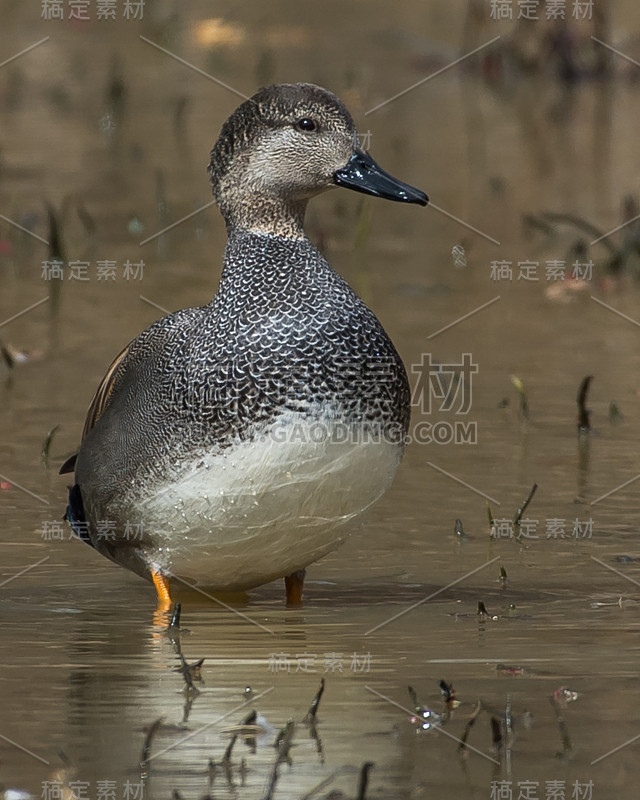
(362, 174)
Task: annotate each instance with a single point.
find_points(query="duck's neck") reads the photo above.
(267, 215)
(259, 267)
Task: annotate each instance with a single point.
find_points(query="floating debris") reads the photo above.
(248, 727)
(449, 694)
(146, 747)
(447, 690)
(16, 794)
(462, 747)
(483, 613)
(567, 744)
(134, 226)
(418, 708)
(257, 728)
(175, 617)
(563, 696)
(592, 231)
(196, 669)
(6, 356)
(621, 602)
(56, 250)
(364, 779)
(11, 357)
(46, 445)
(524, 403)
(187, 673)
(65, 776)
(211, 771)
(56, 256)
(191, 672)
(583, 412)
(621, 256)
(174, 632)
(615, 415)
(248, 721)
(283, 739)
(523, 507)
(310, 716)
(503, 579)
(496, 734)
(513, 670)
(283, 744)
(424, 717)
(569, 289)
(190, 695)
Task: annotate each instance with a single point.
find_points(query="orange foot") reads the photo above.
(294, 585)
(161, 582)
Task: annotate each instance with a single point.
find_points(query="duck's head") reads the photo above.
(284, 145)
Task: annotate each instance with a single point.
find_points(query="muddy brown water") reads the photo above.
(86, 665)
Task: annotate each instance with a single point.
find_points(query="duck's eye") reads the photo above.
(306, 124)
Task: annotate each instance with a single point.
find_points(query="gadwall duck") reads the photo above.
(230, 445)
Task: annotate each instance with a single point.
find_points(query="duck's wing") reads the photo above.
(103, 392)
(98, 404)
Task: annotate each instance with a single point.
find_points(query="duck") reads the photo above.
(233, 444)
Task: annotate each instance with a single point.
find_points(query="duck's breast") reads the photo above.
(263, 508)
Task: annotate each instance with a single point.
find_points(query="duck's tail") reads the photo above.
(75, 515)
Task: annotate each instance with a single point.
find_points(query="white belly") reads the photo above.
(263, 509)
